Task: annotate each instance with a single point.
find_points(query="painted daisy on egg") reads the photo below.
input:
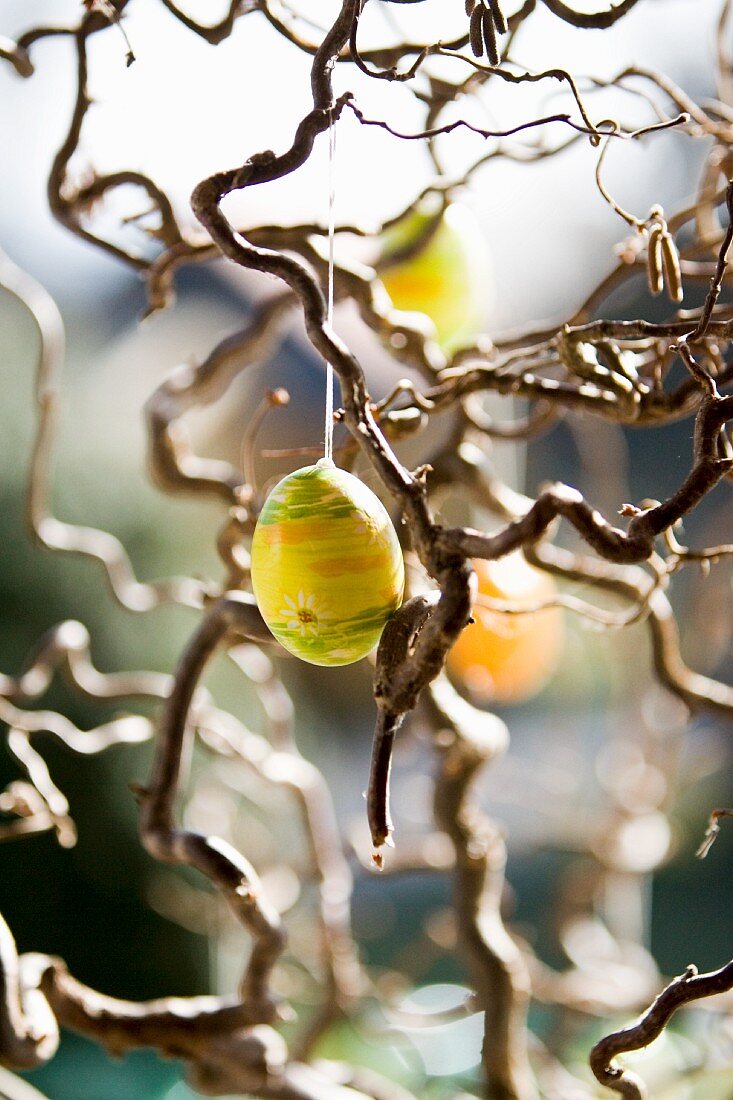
(301, 614)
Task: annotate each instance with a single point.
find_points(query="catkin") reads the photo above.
(475, 36)
(654, 260)
(498, 14)
(671, 268)
(489, 32)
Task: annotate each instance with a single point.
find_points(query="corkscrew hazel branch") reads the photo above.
(217, 32)
(29, 1033)
(606, 381)
(221, 1043)
(465, 741)
(712, 831)
(229, 871)
(632, 546)
(638, 591)
(532, 124)
(39, 805)
(280, 763)
(67, 647)
(173, 465)
(42, 806)
(597, 21)
(685, 989)
(52, 533)
(395, 646)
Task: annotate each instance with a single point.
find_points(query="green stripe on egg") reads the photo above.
(327, 567)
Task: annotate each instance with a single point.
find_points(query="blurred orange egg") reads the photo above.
(508, 658)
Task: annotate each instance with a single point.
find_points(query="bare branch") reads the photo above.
(597, 21)
(51, 532)
(685, 989)
(711, 833)
(235, 614)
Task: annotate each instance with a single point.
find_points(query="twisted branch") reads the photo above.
(685, 989)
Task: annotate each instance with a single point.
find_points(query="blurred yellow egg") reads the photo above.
(327, 568)
(450, 279)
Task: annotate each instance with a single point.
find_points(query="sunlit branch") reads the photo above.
(685, 989)
(51, 532)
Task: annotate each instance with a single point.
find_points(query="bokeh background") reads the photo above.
(185, 110)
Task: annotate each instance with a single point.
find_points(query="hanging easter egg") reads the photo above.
(449, 278)
(327, 569)
(507, 658)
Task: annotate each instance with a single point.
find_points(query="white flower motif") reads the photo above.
(301, 613)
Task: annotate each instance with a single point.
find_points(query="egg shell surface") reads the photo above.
(450, 279)
(501, 658)
(327, 568)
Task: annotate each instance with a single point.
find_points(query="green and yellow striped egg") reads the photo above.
(327, 568)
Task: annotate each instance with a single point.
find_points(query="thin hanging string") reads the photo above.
(328, 435)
